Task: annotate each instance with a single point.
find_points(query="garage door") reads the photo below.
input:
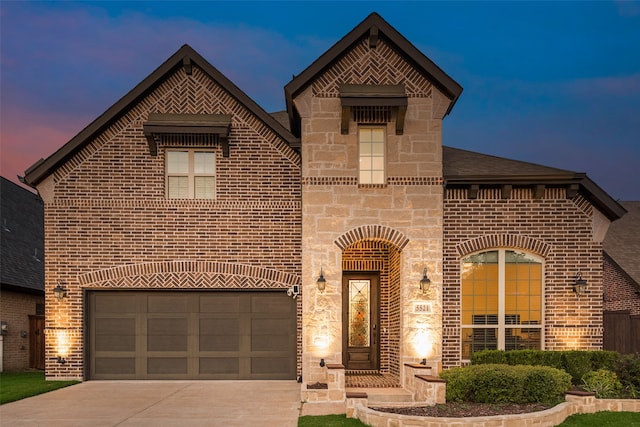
(191, 335)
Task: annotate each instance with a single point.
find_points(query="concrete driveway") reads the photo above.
(160, 403)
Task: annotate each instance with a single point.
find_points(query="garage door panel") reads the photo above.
(115, 365)
(116, 303)
(219, 365)
(167, 365)
(168, 303)
(220, 303)
(192, 335)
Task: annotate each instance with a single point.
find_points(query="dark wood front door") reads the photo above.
(360, 316)
(36, 342)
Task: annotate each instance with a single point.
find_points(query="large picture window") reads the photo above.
(501, 301)
(191, 174)
(372, 159)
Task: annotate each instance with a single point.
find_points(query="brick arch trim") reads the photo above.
(372, 232)
(504, 241)
(189, 274)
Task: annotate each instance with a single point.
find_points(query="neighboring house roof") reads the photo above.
(462, 167)
(622, 242)
(185, 57)
(372, 27)
(22, 243)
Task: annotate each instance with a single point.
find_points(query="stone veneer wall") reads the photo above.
(106, 208)
(560, 230)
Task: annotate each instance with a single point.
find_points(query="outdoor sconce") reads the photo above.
(423, 362)
(61, 360)
(321, 282)
(60, 292)
(322, 364)
(580, 287)
(425, 282)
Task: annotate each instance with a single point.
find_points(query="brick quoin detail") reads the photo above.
(372, 232)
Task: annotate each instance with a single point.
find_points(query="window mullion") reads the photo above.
(501, 299)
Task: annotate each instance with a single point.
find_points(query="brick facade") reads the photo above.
(109, 225)
(16, 307)
(619, 292)
(289, 206)
(558, 229)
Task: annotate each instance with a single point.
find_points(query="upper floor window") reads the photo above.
(372, 158)
(191, 174)
(501, 301)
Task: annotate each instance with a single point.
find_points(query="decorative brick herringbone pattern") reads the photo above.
(379, 66)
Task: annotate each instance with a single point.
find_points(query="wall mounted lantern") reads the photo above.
(61, 360)
(580, 286)
(425, 282)
(321, 282)
(59, 291)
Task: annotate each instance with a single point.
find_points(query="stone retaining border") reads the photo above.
(547, 418)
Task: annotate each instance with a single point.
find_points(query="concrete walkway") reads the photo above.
(160, 403)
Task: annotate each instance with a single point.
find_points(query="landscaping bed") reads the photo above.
(467, 409)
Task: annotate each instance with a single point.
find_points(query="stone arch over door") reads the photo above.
(378, 249)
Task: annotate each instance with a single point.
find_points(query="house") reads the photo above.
(21, 278)
(195, 236)
(622, 282)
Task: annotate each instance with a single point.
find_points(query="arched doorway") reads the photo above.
(371, 309)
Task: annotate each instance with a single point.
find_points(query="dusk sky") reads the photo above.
(553, 83)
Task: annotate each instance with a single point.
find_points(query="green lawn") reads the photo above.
(599, 419)
(18, 385)
(603, 419)
(329, 421)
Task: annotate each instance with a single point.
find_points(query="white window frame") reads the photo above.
(191, 174)
(361, 157)
(502, 326)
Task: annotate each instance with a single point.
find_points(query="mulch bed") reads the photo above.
(463, 409)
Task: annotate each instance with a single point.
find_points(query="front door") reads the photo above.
(360, 320)
(36, 342)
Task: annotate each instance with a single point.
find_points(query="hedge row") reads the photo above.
(575, 362)
(493, 383)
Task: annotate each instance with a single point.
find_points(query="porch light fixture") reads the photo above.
(580, 286)
(321, 282)
(322, 364)
(61, 360)
(425, 282)
(59, 291)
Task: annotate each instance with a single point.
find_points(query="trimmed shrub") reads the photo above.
(627, 368)
(576, 362)
(603, 383)
(484, 357)
(500, 383)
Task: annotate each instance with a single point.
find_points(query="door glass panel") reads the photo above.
(359, 312)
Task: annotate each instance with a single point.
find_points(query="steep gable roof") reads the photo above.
(622, 242)
(185, 57)
(464, 168)
(373, 27)
(22, 242)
